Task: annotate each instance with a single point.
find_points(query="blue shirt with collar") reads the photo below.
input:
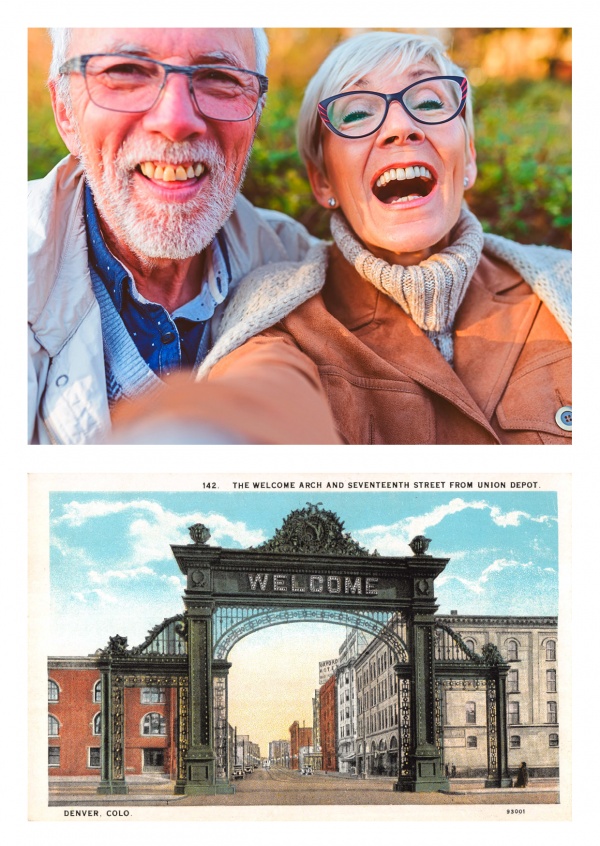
(166, 341)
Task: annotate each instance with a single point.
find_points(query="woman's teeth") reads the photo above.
(171, 173)
(403, 173)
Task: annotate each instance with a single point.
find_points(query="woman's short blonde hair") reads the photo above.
(357, 57)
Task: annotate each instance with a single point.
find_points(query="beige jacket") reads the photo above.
(66, 379)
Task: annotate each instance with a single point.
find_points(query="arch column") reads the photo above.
(497, 729)
(112, 751)
(200, 757)
(426, 772)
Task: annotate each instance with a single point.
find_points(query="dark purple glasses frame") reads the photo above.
(398, 97)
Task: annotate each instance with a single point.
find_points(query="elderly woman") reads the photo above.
(421, 329)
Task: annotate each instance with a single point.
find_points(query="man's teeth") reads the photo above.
(403, 173)
(171, 173)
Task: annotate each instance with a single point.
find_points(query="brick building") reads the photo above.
(74, 725)
(301, 742)
(328, 717)
(74, 728)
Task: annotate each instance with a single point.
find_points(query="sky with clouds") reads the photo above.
(112, 570)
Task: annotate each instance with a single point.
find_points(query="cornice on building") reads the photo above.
(483, 620)
(73, 662)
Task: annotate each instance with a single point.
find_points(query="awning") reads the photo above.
(350, 759)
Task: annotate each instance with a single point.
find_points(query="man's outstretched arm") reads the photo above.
(264, 392)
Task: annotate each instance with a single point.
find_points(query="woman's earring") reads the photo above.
(466, 181)
(332, 202)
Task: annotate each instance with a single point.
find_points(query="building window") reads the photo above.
(53, 726)
(470, 713)
(552, 716)
(153, 696)
(551, 681)
(515, 741)
(54, 756)
(553, 740)
(512, 681)
(513, 713)
(52, 691)
(471, 742)
(512, 650)
(154, 724)
(97, 727)
(98, 692)
(550, 650)
(470, 644)
(94, 757)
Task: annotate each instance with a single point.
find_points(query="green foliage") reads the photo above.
(276, 178)
(46, 147)
(523, 140)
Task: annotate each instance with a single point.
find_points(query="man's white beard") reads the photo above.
(161, 229)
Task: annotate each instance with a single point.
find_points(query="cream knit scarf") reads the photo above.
(430, 292)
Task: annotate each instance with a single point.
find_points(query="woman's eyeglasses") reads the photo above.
(356, 114)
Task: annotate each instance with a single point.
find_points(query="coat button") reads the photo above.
(61, 381)
(564, 418)
(168, 337)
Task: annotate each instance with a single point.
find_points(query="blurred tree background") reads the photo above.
(521, 79)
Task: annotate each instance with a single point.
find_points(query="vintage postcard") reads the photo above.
(341, 647)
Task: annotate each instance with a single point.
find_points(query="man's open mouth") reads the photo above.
(172, 172)
(401, 185)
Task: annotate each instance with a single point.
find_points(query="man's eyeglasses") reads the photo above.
(123, 82)
(356, 114)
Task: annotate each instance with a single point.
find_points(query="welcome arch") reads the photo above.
(311, 570)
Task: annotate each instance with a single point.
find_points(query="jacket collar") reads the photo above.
(497, 306)
(58, 258)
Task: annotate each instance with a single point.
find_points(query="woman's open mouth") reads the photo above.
(402, 185)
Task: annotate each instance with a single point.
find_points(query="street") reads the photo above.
(279, 786)
(287, 787)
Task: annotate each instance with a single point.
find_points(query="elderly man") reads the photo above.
(139, 236)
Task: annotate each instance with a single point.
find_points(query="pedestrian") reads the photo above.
(453, 770)
(522, 776)
(447, 770)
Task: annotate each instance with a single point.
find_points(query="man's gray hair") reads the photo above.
(357, 57)
(61, 39)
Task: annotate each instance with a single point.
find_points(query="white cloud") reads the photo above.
(75, 555)
(104, 597)
(174, 581)
(514, 518)
(78, 513)
(478, 585)
(120, 575)
(151, 531)
(156, 518)
(79, 596)
(394, 539)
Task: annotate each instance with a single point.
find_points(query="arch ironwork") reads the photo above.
(232, 623)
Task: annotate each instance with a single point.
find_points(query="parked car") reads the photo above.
(238, 772)
(248, 769)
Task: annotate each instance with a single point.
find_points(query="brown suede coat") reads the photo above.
(387, 384)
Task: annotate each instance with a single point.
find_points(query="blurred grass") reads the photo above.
(523, 141)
